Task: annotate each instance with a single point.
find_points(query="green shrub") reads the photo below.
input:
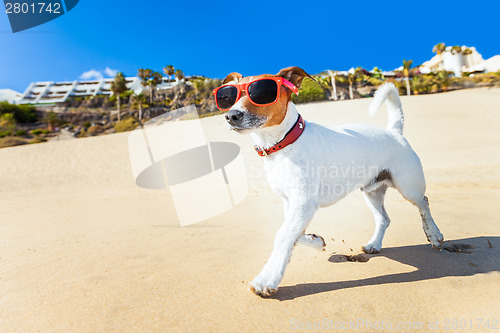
(52, 120)
(11, 141)
(83, 133)
(21, 133)
(37, 139)
(126, 125)
(25, 114)
(95, 130)
(124, 98)
(7, 120)
(486, 78)
(39, 131)
(87, 124)
(443, 79)
(21, 113)
(7, 124)
(423, 84)
(3, 134)
(310, 91)
(374, 80)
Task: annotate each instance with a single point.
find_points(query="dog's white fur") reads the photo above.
(324, 165)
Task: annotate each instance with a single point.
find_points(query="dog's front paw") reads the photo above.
(436, 239)
(263, 285)
(371, 248)
(261, 289)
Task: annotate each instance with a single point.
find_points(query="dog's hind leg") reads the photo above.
(410, 182)
(375, 201)
(431, 230)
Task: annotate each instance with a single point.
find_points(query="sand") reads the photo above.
(83, 249)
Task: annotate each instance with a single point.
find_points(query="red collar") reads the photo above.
(290, 137)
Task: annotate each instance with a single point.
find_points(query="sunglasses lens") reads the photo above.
(226, 97)
(263, 91)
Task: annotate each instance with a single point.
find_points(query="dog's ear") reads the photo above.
(294, 74)
(232, 77)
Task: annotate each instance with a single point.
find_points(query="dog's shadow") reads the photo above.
(461, 257)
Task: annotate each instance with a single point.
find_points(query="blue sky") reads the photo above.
(213, 38)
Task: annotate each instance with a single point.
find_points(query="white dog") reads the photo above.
(311, 166)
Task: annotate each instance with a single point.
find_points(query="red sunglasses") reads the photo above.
(261, 92)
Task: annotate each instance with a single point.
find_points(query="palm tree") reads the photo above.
(334, 84)
(118, 86)
(456, 49)
(169, 70)
(324, 82)
(143, 74)
(353, 76)
(139, 99)
(466, 51)
(439, 48)
(179, 75)
(444, 79)
(406, 72)
(377, 73)
(150, 79)
(51, 119)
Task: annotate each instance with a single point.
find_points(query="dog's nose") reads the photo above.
(234, 117)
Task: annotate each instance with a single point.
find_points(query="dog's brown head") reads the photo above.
(244, 115)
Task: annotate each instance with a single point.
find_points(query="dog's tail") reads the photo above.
(390, 95)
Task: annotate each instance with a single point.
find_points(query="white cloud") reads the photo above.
(98, 75)
(110, 72)
(91, 75)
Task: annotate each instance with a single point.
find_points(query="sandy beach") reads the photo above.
(83, 249)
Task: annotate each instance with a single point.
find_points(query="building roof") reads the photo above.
(492, 64)
(10, 96)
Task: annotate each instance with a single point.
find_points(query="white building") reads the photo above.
(490, 65)
(459, 62)
(49, 92)
(10, 96)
